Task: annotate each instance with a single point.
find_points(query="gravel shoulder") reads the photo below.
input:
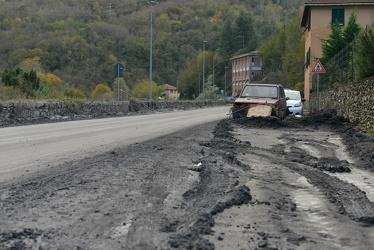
(235, 184)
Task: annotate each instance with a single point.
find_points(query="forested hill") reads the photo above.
(80, 41)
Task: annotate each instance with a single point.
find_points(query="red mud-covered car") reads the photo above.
(258, 99)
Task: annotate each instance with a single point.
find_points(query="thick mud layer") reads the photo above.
(257, 183)
(357, 142)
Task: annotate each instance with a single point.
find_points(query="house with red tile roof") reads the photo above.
(317, 18)
(169, 92)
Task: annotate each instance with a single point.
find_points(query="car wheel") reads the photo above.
(287, 112)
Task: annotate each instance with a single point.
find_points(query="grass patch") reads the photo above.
(371, 132)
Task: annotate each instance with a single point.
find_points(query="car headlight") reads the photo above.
(298, 104)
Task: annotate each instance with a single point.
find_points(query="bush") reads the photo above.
(8, 93)
(12, 77)
(74, 93)
(30, 83)
(53, 82)
(102, 93)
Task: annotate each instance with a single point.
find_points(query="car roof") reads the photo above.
(263, 84)
(291, 90)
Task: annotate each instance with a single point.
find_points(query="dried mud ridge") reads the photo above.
(218, 187)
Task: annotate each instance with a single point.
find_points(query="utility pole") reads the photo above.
(204, 66)
(150, 56)
(213, 74)
(225, 80)
(199, 83)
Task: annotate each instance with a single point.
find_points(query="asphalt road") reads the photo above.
(29, 149)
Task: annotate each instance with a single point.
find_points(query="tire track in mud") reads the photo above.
(349, 198)
(216, 158)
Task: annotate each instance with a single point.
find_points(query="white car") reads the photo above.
(295, 102)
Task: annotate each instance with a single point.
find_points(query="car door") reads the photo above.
(282, 99)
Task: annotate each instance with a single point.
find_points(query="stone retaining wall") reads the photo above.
(12, 113)
(354, 102)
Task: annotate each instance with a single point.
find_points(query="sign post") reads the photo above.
(318, 69)
(118, 72)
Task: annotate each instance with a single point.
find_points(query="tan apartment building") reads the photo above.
(169, 92)
(317, 18)
(244, 67)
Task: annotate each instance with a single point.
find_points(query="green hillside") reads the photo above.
(80, 41)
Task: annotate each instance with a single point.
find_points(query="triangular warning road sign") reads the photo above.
(318, 68)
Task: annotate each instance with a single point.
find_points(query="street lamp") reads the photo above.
(150, 56)
(199, 83)
(203, 65)
(213, 74)
(225, 81)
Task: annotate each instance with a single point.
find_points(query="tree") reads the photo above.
(11, 77)
(246, 35)
(30, 83)
(141, 90)
(227, 39)
(332, 45)
(76, 39)
(364, 55)
(352, 30)
(32, 64)
(293, 56)
(53, 82)
(339, 38)
(210, 91)
(272, 51)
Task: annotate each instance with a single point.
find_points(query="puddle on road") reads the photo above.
(307, 199)
(310, 200)
(362, 179)
(341, 149)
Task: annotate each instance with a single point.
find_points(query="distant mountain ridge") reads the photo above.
(80, 41)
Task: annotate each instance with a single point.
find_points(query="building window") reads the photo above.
(337, 17)
(309, 21)
(307, 59)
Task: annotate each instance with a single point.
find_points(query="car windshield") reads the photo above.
(260, 91)
(293, 95)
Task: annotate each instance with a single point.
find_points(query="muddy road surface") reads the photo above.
(258, 183)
